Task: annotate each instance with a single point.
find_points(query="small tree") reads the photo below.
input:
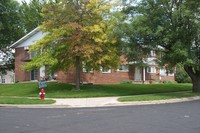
(78, 31)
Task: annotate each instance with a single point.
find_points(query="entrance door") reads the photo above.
(34, 74)
(138, 74)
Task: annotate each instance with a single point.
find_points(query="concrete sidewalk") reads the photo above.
(112, 101)
(97, 102)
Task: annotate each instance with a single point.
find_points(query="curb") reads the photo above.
(107, 102)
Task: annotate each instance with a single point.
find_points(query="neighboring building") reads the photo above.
(126, 71)
(6, 76)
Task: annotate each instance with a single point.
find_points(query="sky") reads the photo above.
(20, 1)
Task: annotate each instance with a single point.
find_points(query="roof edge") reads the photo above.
(21, 40)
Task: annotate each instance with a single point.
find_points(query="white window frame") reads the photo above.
(152, 69)
(32, 54)
(3, 80)
(84, 70)
(35, 73)
(105, 70)
(123, 70)
(165, 74)
(152, 53)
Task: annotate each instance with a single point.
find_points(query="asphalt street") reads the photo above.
(164, 118)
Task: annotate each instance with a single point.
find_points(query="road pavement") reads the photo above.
(182, 117)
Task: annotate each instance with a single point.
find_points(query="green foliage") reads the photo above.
(171, 27)
(10, 24)
(126, 82)
(30, 14)
(10, 31)
(169, 82)
(76, 30)
(181, 76)
(16, 20)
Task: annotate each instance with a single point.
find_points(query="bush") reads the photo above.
(181, 76)
(169, 82)
(126, 82)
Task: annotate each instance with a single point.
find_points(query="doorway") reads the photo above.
(138, 74)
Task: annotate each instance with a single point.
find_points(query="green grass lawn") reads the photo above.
(62, 90)
(11, 100)
(159, 96)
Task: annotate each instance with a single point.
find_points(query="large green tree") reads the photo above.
(172, 26)
(78, 31)
(30, 14)
(10, 31)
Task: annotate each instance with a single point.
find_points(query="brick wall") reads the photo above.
(68, 76)
(96, 77)
(21, 75)
(106, 78)
(156, 76)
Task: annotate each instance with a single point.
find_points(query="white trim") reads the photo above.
(144, 74)
(84, 70)
(14, 45)
(163, 73)
(152, 53)
(152, 69)
(26, 48)
(138, 74)
(105, 71)
(118, 70)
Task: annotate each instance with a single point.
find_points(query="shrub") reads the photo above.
(181, 76)
(126, 82)
(169, 82)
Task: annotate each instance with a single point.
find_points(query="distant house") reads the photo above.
(126, 71)
(8, 76)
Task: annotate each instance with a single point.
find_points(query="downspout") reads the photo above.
(144, 75)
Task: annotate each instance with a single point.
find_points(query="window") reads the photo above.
(3, 81)
(26, 48)
(32, 54)
(104, 70)
(164, 72)
(153, 53)
(151, 69)
(84, 69)
(123, 68)
(34, 74)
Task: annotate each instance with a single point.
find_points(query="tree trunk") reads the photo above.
(77, 72)
(195, 76)
(196, 85)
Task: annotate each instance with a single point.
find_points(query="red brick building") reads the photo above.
(126, 71)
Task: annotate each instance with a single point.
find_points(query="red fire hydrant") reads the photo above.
(42, 94)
